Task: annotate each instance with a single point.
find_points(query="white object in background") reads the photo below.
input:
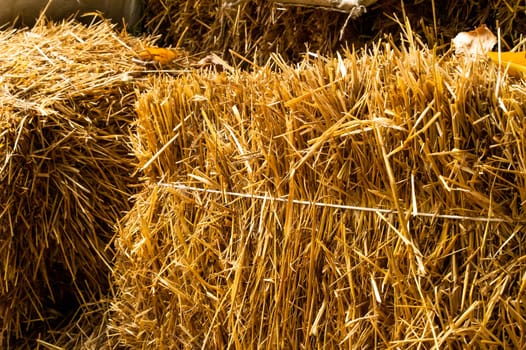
(476, 42)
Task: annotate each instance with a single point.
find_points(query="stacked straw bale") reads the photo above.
(66, 105)
(258, 28)
(370, 201)
(373, 199)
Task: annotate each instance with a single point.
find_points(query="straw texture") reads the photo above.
(257, 29)
(258, 185)
(66, 102)
(370, 200)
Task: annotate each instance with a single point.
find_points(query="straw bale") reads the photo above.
(257, 28)
(66, 103)
(370, 200)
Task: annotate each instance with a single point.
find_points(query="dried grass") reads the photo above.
(66, 104)
(370, 200)
(256, 29)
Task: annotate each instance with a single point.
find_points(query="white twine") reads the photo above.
(413, 213)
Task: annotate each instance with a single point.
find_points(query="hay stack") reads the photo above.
(370, 201)
(66, 103)
(256, 29)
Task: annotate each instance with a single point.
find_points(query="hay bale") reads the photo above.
(256, 29)
(369, 201)
(66, 104)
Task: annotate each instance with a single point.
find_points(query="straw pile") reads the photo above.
(257, 28)
(66, 103)
(373, 200)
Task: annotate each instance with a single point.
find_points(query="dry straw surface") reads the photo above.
(370, 200)
(66, 104)
(258, 28)
(367, 199)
